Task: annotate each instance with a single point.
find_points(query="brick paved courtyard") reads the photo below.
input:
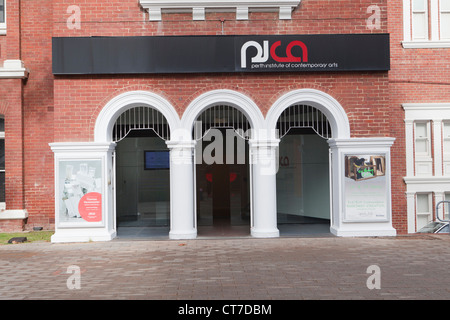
(413, 267)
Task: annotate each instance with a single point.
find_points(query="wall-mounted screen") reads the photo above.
(156, 159)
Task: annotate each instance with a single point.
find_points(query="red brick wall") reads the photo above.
(416, 76)
(28, 110)
(38, 115)
(65, 108)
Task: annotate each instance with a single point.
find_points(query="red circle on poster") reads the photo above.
(90, 207)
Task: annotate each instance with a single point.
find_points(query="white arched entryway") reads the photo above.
(99, 155)
(345, 201)
(116, 106)
(262, 202)
(330, 107)
(263, 145)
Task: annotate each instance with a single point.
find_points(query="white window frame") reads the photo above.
(3, 24)
(423, 160)
(425, 139)
(433, 17)
(428, 213)
(416, 12)
(443, 12)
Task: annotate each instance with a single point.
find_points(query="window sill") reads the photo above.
(426, 44)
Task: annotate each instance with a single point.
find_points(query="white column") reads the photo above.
(264, 168)
(434, 14)
(182, 210)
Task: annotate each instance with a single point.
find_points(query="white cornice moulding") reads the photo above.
(426, 111)
(13, 69)
(199, 7)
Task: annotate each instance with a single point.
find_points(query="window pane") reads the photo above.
(447, 146)
(2, 11)
(419, 5)
(421, 130)
(446, 130)
(422, 203)
(421, 146)
(445, 5)
(445, 25)
(422, 221)
(420, 30)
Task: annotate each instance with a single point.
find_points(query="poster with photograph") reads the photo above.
(80, 191)
(365, 188)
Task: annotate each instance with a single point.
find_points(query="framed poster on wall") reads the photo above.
(365, 188)
(79, 194)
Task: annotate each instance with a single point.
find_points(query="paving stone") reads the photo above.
(294, 268)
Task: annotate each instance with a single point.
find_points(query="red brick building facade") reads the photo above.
(41, 108)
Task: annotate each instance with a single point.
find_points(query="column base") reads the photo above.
(183, 235)
(267, 233)
(82, 235)
(364, 232)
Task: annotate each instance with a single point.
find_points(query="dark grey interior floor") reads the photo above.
(286, 230)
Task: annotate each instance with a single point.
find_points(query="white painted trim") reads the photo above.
(97, 231)
(426, 44)
(433, 18)
(438, 156)
(340, 148)
(426, 111)
(116, 106)
(199, 7)
(330, 107)
(229, 97)
(13, 69)
(13, 214)
(406, 20)
(83, 235)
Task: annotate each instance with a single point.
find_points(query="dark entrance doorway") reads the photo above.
(223, 184)
(142, 177)
(303, 184)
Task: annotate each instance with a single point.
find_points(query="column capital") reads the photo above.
(267, 143)
(181, 144)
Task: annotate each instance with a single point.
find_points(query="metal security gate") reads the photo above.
(303, 116)
(141, 118)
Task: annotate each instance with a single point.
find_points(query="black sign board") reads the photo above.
(204, 54)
